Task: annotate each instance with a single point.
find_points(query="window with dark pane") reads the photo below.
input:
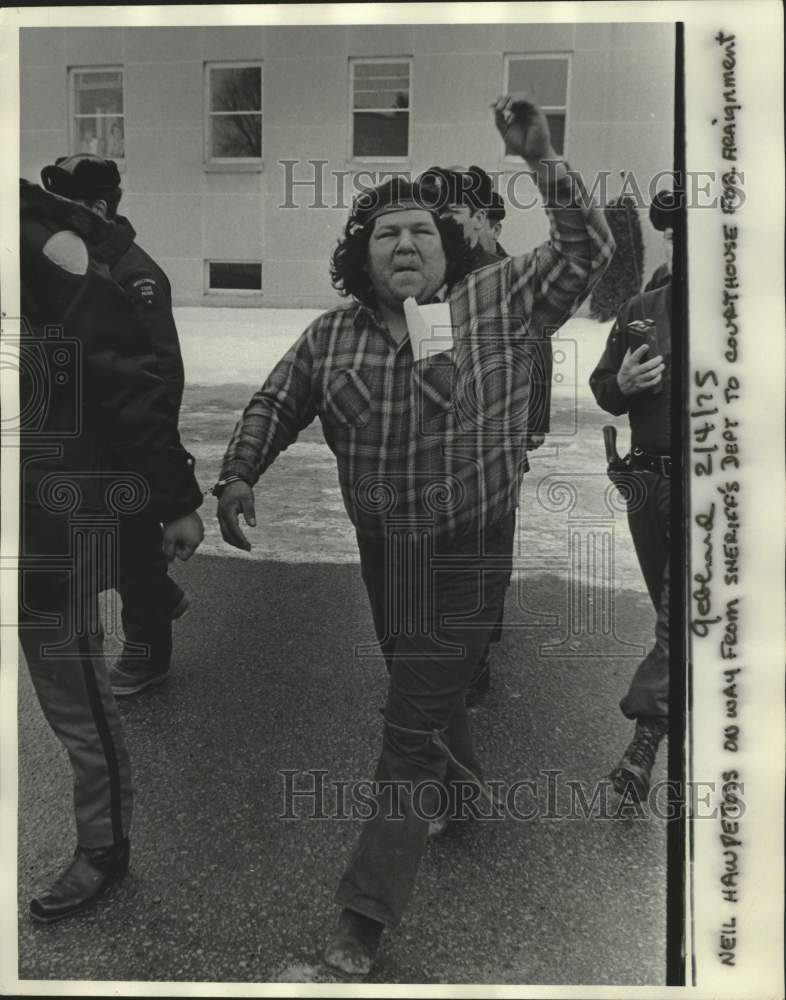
(234, 276)
(380, 109)
(556, 120)
(546, 78)
(98, 120)
(235, 112)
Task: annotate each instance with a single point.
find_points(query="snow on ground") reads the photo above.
(300, 514)
(236, 345)
(242, 346)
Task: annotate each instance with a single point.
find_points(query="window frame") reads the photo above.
(229, 163)
(547, 108)
(73, 115)
(379, 61)
(231, 291)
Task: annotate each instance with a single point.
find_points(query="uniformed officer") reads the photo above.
(495, 213)
(91, 403)
(633, 376)
(461, 198)
(151, 599)
(660, 213)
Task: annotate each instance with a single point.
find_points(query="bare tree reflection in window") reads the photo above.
(236, 106)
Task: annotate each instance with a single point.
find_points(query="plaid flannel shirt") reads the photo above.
(434, 443)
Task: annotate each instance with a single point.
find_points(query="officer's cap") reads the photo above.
(81, 176)
(472, 187)
(663, 210)
(488, 198)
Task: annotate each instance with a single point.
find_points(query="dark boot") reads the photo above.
(92, 871)
(132, 674)
(634, 771)
(353, 946)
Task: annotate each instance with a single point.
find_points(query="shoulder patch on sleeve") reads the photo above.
(145, 290)
(67, 251)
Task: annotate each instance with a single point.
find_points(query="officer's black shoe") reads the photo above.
(92, 871)
(634, 771)
(480, 683)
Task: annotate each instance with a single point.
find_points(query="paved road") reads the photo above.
(223, 890)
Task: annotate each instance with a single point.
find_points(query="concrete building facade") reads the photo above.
(241, 147)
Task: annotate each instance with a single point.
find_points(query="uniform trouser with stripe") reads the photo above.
(649, 521)
(65, 657)
(432, 627)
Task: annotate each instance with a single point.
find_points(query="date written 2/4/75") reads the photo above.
(715, 442)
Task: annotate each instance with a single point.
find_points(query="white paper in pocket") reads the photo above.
(430, 328)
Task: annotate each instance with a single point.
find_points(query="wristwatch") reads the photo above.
(219, 487)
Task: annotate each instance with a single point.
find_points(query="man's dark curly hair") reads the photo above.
(349, 263)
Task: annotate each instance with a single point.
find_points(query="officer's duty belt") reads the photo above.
(660, 464)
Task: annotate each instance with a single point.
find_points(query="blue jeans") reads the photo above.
(433, 614)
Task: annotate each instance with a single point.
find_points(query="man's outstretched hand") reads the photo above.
(182, 537)
(237, 498)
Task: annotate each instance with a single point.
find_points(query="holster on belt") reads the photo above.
(615, 466)
(619, 470)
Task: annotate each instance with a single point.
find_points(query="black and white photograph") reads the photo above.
(393, 499)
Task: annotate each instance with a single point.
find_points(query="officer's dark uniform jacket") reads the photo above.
(649, 413)
(148, 288)
(111, 390)
(98, 442)
(659, 277)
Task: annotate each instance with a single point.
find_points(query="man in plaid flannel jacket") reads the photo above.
(428, 450)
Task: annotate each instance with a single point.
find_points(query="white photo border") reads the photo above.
(756, 30)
